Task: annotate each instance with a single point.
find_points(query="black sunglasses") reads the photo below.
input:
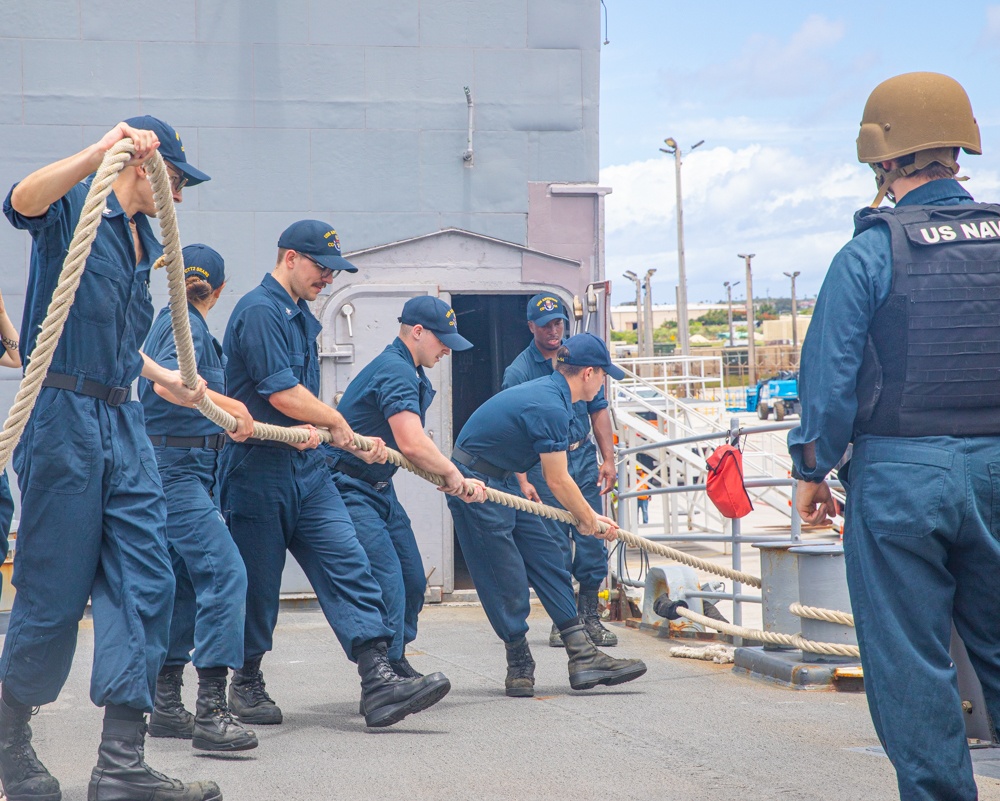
(323, 271)
(177, 181)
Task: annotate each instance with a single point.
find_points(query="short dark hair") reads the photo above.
(933, 171)
(568, 370)
(281, 255)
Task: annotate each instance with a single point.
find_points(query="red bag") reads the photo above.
(725, 482)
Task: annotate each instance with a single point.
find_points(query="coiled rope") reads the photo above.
(62, 300)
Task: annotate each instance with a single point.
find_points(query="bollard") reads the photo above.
(779, 575)
(675, 581)
(823, 584)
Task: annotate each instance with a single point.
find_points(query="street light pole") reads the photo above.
(795, 312)
(682, 310)
(638, 310)
(729, 301)
(751, 348)
(648, 314)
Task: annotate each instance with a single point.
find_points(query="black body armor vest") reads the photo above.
(932, 362)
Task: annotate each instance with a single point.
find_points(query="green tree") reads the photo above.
(714, 317)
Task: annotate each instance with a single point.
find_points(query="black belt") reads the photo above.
(113, 396)
(479, 464)
(215, 442)
(270, 443)
(352, 470)
(574, 445)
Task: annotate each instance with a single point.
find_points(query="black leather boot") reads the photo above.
(589, 667)
(387, 698)
(520, 681)
(214, 727)
(586, 605)
(170, 718)
(24, 777)
(123, 775)
(555, 638)
(248, 698)
(401, 668)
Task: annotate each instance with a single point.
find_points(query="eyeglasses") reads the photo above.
(177, 181)
(324, 272)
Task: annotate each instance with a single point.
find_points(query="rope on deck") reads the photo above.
(716, 652)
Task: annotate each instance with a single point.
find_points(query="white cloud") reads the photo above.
(991, 31)
(734, 186)
(793, 212)
(767, 67)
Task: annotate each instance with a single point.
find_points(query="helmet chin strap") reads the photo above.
(884, 179)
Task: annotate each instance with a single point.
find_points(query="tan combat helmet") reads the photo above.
(924, 114)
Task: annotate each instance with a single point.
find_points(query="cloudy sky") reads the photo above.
(776, 90)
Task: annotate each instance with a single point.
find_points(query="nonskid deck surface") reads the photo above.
(684, 730)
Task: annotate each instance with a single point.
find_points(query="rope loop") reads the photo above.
(62, 297)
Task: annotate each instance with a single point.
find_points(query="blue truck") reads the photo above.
(779, 394)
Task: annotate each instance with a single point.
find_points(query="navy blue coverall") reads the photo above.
(586, 557)
(211, 582)
(506, 549)
(391, 383)
(276, 498)
(93, 515)
(921, 535)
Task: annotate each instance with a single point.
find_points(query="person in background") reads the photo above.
(586, 557)
(642, 501)
(211, 581)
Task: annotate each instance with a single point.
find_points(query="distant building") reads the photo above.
(779, 332)
(623, 317)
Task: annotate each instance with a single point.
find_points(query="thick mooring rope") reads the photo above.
(828, 615)
(772, 637)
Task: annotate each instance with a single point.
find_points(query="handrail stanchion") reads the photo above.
(734, 440)
(796, 518)
(622, 517)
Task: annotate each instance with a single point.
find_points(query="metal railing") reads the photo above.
(726, 531)
(642, 414)
(688, 376)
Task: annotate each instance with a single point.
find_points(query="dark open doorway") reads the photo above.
(495, 325)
